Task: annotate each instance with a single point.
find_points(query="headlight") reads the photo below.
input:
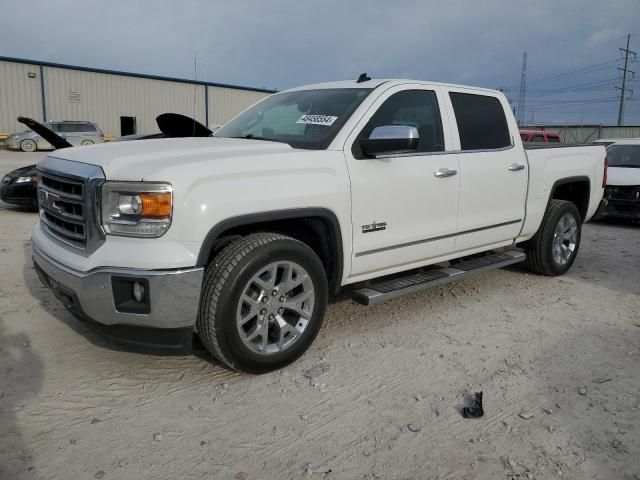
(136, 209)
(25, 179)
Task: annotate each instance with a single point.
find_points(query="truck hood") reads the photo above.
(623, 176)
(133, 161)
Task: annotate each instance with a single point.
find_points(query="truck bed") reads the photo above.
(552, 164)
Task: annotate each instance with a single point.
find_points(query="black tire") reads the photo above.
(224, 280)
(539, 249)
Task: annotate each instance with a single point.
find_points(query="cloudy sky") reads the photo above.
(572, 45)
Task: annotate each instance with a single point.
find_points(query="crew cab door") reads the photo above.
(493, 170)
(403, 215)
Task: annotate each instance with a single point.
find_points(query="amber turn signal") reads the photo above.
(156, 205)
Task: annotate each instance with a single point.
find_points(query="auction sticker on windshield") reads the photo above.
(317, 120)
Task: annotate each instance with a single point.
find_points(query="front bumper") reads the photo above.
(622, 209)
(622, 202)
(12, 144)
(165, 319)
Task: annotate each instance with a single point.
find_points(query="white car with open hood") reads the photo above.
(385, 186)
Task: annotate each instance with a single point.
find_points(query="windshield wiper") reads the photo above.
(253, 137)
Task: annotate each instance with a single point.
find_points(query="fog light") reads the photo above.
(131, 295)
(138, 292)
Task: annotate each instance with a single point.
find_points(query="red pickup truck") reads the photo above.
(538, 136)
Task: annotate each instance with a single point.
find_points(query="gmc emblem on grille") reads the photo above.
(49, 200)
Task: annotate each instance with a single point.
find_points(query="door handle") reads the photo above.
(514, 167)
(444, 172)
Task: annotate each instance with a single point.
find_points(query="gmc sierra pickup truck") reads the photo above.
(386, 186)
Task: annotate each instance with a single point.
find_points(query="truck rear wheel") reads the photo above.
(554, 248)
(263, 302)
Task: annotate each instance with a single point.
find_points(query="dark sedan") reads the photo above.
(19, 187)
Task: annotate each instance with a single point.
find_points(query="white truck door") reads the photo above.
(493, 170)
(403, 215)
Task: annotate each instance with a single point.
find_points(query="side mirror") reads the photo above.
(390, 140)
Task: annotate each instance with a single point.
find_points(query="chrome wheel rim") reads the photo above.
(275, 307)
(565, 239)
(29, 146)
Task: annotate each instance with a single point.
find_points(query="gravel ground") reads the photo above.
(558, 360)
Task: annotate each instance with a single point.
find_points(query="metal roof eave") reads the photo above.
(131, 74)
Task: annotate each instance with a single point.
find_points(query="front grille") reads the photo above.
(71, 188)
(62, 208)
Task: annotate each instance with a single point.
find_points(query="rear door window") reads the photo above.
(482, 124)
(86, 128)
(67, 128)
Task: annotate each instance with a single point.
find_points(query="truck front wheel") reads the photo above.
(263, 302)
(554, 248)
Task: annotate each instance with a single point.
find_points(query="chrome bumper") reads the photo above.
(173, 295)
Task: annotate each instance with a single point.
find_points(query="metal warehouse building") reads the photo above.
(119, 102)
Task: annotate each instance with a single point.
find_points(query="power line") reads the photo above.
(599, 86)
(578, 72)
(565, 105)
(570, 73)
(577, 100)
(609, 106)
(575, 88)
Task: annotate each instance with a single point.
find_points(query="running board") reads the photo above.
(387, 289)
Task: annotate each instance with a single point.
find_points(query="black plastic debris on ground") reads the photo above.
(473, 409)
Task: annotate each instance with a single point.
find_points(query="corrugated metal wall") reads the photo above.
(19, 95)
(589, 133)
(104, 97)
(225, 103)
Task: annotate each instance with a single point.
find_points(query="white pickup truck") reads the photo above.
(386, 186)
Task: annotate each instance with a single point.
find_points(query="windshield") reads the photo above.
(304, 118)
(624, 156)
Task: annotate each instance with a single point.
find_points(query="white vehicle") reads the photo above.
(388, 186)
(622, 192)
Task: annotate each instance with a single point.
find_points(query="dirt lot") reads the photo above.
(558, 360)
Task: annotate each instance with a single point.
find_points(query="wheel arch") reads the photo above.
(573, 189)
(318, 227)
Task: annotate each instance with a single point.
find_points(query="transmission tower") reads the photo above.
(628, 56)
(523, 90)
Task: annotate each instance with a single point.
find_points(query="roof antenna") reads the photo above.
(195, 86)
(363, 78)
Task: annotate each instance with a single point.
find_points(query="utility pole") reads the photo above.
(523, 90)
(625, 70)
